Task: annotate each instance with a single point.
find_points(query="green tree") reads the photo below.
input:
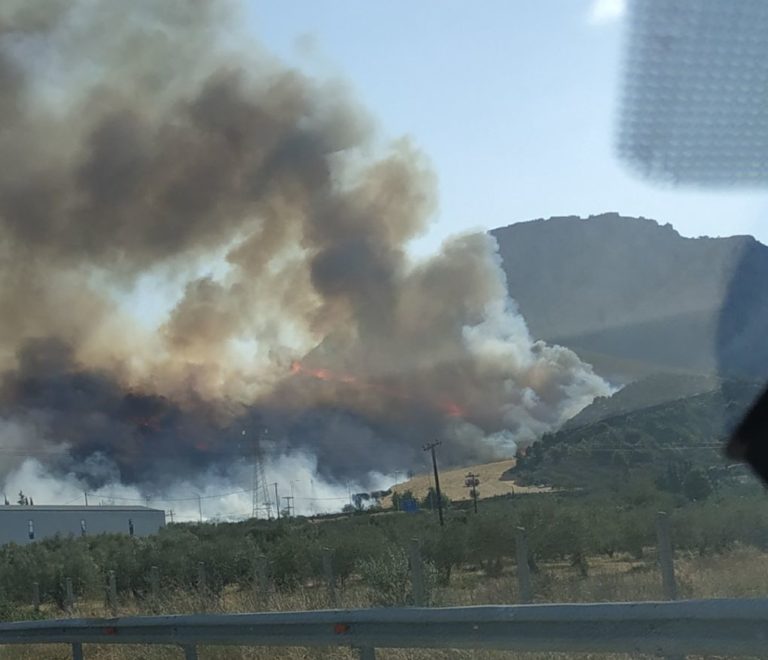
(430, 500)
(399, 499)
(674, 477)
(388, 577)
(446, 549)
(697, 486)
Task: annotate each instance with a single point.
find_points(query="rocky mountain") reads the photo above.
(634, 297)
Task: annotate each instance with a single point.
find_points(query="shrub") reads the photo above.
(388, 578)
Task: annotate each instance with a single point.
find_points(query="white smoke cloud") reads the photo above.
(210, 495)
(602, 12)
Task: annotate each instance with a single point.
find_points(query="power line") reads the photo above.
(194, 498)
(153, 453)
(149, 451)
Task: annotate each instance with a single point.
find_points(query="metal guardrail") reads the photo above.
(702, 627)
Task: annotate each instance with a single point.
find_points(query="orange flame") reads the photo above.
(321, 374)
(452, 409)
(449, 408)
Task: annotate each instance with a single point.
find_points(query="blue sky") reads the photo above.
(513, 102)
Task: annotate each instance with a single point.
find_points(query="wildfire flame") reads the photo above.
(448, 408)
(321, 374)
(451, 408)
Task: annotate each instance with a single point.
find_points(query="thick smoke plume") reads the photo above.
(151, 143)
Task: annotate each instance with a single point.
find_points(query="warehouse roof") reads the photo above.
(67, 507)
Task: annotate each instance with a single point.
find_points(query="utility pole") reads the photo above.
(200, 507)
(289, 502)
(473, 481)
(431, 448)
(170, 514)
(85, 494)
(277, 501)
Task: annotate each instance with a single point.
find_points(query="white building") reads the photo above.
(25, 524)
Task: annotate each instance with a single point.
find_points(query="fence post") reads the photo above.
(330, 578)
(260, 580)
(154, 587)
(666, 556)
(201, 585)
(69, 596)
(112, 593)
(417, 573)
(190, 651)
(36, 596)
(525, 593)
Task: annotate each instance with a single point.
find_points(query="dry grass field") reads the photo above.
(452, 483)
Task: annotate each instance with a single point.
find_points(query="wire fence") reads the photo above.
(402, 577)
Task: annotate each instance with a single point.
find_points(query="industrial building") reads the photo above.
(25, 524)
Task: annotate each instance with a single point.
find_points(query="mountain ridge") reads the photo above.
(634, 290)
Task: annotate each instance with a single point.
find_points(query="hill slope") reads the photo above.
(644, 393)
(452, 482)
(606, 441)
(635, 297)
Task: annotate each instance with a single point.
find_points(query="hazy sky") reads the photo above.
(513, 102)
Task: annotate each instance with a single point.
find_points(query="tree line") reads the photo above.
(369, 548)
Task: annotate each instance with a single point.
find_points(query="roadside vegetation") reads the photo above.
(577, 541)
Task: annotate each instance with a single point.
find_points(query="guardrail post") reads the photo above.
(417, 573)
(77, 651)
(367, 653)
(112, 592)
(36, 596)
(525, 593)
(69, 596)
(666, 557)
(330, 578)
(154, 587)
(190, 651)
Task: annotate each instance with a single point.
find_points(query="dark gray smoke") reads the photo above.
(145, 140)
